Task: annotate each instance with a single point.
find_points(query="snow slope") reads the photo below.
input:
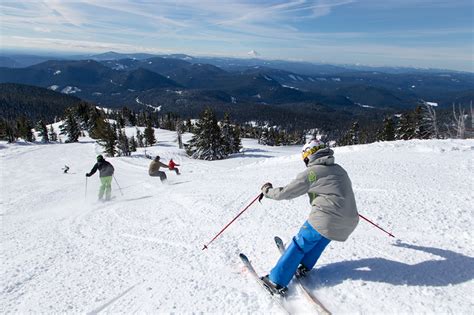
(62, 252)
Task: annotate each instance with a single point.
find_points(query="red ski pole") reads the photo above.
(259, 197)
(360, 215)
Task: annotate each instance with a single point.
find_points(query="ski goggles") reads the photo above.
(310, 151)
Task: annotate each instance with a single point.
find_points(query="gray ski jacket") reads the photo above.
(334, 211)
(104, 167)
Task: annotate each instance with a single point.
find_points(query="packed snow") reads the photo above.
(65, 252)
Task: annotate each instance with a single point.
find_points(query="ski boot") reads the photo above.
(272, 287)
(301, 272)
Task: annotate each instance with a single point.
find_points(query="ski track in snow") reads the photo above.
(141, 252)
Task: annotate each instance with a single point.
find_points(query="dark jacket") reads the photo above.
(104, 167)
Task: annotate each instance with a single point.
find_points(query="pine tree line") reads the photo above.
(422, 123)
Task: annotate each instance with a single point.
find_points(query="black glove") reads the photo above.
(266, 187)
(88, 175)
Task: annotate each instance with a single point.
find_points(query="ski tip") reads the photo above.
(278, 239)
(243, 257)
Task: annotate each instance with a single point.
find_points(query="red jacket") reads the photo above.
(172, 164)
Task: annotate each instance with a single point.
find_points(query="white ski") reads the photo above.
(317, 304)
(277, 298)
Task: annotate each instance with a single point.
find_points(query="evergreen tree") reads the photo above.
(231, 136)
(11, 132)
(3, 129)
(207, 142)
(179, 132)
(236, 142)
(149, 134)
(226, 131)
(405, 129)
(70, 127)
(430, 121)
(269, 136)
(98, 127)
(388, 133)
(120, 121)
(96, 123)
(273, 137)
(189, 125)
(263, 138)
(82, 111)
(122, 144)
(421, 131)
(53, 136)
(139, 139)
(132, 143)
(8, 131)
(354, 133)
(43, 130)
(24, 128)
(298, 137)
(108, 139)
(169, 122)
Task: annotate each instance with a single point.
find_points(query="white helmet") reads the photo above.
(310, 149)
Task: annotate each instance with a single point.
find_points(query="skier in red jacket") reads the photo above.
(172, 165)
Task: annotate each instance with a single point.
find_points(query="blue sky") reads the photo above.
(420, 33)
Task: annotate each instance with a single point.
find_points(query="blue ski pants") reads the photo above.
(305, 248)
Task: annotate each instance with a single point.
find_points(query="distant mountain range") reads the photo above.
(185, 84)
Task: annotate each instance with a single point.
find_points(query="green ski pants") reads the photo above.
(105, 186)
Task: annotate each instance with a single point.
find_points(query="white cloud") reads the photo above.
(42, 29)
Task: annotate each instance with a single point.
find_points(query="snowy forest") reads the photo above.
(215, 139)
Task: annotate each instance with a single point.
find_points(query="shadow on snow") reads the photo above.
(454, 268)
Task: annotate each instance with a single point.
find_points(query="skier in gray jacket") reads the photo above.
(333, 215)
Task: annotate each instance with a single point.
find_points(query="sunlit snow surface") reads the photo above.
(64, 252)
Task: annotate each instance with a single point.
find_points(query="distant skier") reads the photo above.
(333, 215)
(172, 166)
(154, 169)
(106, 172)
(66, 169)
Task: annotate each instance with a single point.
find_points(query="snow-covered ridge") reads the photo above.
(290, 87)
(155, 108)
(70, 90)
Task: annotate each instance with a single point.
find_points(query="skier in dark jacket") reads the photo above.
(333, 215)
(106, 172)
